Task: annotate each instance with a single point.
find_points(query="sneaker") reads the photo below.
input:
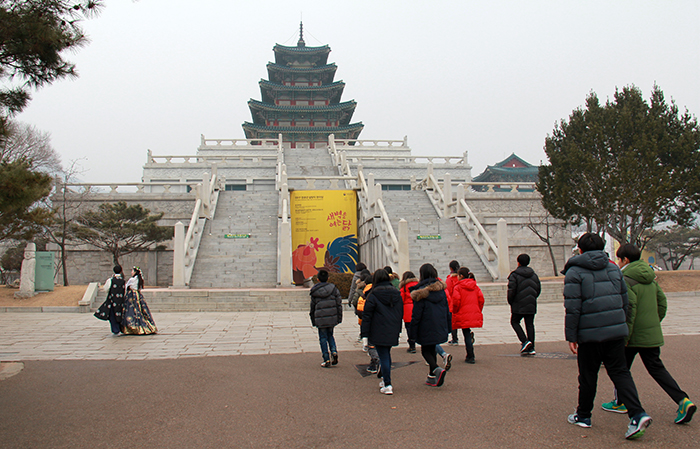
(685, 411)
(470, 360)
(334, 358)
(387, 390)
(638, 425)
(326, 364)
(453, 342)
(582, 422)
(531, 352)
(527, 346)
(614, 407)
(447, 358)
(431, 381)
(372, 368)
(411, 350)
(440, 376)
(381, 383)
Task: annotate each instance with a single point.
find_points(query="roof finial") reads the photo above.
(301, 42)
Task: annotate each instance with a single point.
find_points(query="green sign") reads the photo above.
(429, 237)
(236, 236)
(43, 276)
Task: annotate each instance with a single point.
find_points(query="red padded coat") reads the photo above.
(467, 305)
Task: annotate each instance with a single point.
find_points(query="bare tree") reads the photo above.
(546, 227)
(26, 142)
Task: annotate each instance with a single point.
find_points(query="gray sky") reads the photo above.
(488, 77)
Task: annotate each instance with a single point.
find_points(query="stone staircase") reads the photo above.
(308, 162)
(416, 208)
(239, 262)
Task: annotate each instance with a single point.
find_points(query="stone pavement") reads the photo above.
(80, 336)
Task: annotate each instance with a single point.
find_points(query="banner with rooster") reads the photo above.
(324, 232)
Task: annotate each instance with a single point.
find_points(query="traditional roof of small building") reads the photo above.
(316, 69)
(512, 168)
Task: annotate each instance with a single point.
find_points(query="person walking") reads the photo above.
(595, 299)
(450, 281)
(112, 309)
(326, 312)
(467, 307)
(381, 323)
(523, 289)
(408, 280)
(136, 317)
(430, 321)
(647, 308)
(353, 283)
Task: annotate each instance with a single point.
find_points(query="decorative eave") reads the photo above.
(325, 73)
(269, 90)
(303, 129)
(312, 55)
(346, 106)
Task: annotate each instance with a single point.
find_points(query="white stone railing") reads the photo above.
(186, 247)
(214, 144)
(213, 158)
(412, 160)
(132, 188)
(373, 144)
(373, 209)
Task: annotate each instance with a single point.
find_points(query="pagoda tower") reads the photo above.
(300, 100)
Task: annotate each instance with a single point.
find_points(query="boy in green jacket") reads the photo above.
(647, 307)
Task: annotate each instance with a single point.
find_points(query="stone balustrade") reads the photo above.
(81, 188)
(222, 160)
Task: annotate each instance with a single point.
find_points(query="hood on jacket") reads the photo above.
(469, 284)
(387, 294)
(322, 289)
(423, 289)
(590, 260)
(640, 271)
(407, 281)
(525, 272)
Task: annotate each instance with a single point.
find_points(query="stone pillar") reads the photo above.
(447, 191)
(179, 256)
(459, 210)
(26, 282)
(285, 252)
(404, 262)
(503, 254)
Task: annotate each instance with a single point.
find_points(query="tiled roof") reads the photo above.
(297, 49)
(276, 86)
(273, 107)
(285, 68)
(304, 129)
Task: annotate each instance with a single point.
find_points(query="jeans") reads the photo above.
(441, 352)
(468, 342)
(612, 355)
(385, 363)
(656, 369)
(325, 337)
(529, 327)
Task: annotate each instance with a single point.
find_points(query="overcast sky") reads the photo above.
(487, 77)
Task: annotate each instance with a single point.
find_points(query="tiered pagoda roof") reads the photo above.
(301, 100)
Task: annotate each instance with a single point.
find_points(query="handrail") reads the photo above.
(480, 229)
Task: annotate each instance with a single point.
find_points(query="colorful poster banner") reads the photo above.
(324, 232)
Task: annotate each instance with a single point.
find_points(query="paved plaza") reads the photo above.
(76, 386)
(80, 336)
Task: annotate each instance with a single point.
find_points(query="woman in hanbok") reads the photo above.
(136, 318)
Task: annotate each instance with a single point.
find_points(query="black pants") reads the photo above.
(430, 356)
(612, 355)
(656, 369)
(529, 327)
(411, 340)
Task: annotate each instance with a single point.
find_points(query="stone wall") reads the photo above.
(85, 266)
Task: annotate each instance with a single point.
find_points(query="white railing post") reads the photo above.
(404, 260)
(503, 257)
(447, 192)
(285, 249)
(459, 210)
(179, 256)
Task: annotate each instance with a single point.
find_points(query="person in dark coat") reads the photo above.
(113, 306)
(326, 313)
(381, 323)
(523, 289)
(595, 299)
(430, 322)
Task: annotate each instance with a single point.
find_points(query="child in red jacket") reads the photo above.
(467, 307)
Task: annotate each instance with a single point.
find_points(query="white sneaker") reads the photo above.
(381, 383)
(387, 390)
